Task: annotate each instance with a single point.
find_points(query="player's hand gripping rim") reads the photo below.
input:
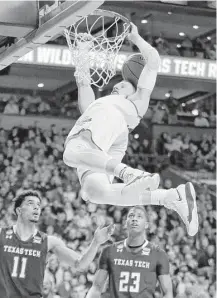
(134, 34)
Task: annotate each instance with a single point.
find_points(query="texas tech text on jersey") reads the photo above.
(133, 274)
(22, 264)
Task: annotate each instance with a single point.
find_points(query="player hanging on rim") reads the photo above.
(23, 250)
(97, 143)
(133, 265)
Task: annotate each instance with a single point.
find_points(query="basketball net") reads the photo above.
(95, 55)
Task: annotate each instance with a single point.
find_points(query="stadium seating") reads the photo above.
(32, 158)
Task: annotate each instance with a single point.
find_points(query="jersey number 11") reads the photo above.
(22, 272)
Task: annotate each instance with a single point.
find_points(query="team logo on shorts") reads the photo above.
(83, 121)
(37, 239)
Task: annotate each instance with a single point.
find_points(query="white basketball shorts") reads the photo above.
(109, 131)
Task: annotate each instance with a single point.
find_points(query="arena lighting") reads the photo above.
(136, 136)
(167, 95)
(181, 34)
(144, 21)
(195, 112)
(195, 27)
(41, 85)
(178, 2)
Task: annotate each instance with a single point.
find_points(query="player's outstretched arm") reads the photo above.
(85, 95)
(71, 258)
(148, 76)
(166, 285)
(98, 284)
(163, 274)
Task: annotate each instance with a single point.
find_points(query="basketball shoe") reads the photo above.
(141, 180)
(185, 205)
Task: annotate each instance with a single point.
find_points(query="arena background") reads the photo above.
(38, 106)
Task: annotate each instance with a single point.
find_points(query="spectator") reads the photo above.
(11, 107)
(65, 287)
(48, 291)
(159, 113)
(201, 121)
(172, 105)
(161, 45)
(44, 107)
(146, 146)
(60, 224)
(208, 47)
(160, 146)
(187, 47)
(55, 272)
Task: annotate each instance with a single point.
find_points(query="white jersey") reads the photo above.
(125, 106)
(108, 119)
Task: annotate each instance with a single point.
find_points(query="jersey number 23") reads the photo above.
(129, 282)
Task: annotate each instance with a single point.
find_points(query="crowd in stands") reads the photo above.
(198, 48)
(188, 153)
(32, 158)
(163, 112)
(34, 104)
(201, 48)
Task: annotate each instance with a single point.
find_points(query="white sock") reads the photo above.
(120, 169)
(163, 197)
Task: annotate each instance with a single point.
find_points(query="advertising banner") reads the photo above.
(60, 56)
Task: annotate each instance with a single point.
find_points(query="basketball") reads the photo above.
(132, 68)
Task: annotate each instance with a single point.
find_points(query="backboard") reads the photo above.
(27, 33)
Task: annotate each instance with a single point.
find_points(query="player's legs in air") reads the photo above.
(97, 187)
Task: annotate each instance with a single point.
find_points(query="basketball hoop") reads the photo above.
(93, 51)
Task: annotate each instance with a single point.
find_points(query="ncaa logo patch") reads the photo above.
(37, 240)
(146, 251)
(9, 232)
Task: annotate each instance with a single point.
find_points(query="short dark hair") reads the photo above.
(138, 207)
(21, 197)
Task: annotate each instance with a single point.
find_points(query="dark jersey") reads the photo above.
(22, 264)
(133, 275)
